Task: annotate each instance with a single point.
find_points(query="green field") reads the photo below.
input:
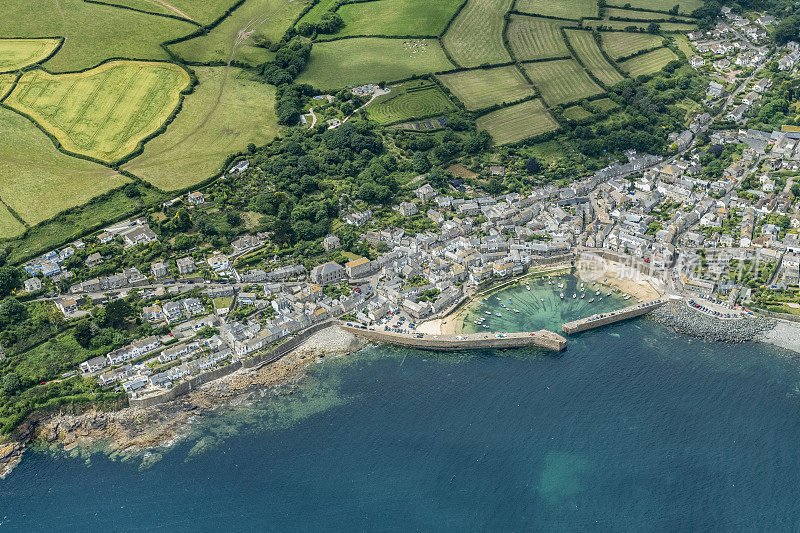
(9, 225)
(648, 63)
(619, 44)
(232, 39)
(642, 15)
(565, 9)
(104, 112)
(589, 53)
(350, 62)
(93, 32)
(225, 113)
(317, 10)
(199, 11)
(576, 112)
(605, 104)
(536, 38)
(487, 87)
(686, 6)
(623, 25)
(411, 100)
(18, 53)
(38, 181)
(397, 17)
(6, 82)
(684, 46)
(521, 121)
(561, 81)
(476, 35)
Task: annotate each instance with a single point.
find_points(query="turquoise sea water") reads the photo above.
(632, 428)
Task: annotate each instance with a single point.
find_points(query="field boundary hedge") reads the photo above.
(640, 53)
(631, 8)
(144, 11)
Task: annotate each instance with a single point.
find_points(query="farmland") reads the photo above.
(94, 31)
(641, 15)
(649, 62)
(686, 6)
(487, 87)
(576, 112)
(6, 82)
(683, 44)
(38, 181)
(561, 81)
(620, 25)
(589, 53)
(317, 10)
(104, 112)
(564, 9)
(9, 225)
(233, 38)
(410, 100)
(533, 38)
(476, 35)
(605, 104)
(18, 53)
(617, 44)
(226, 112)
(521, 121)
(371, 59)
(397, 17)
(200, 11)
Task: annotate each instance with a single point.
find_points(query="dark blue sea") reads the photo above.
(632, 428)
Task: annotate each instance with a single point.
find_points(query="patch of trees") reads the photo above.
(330, 22)
(290, 60)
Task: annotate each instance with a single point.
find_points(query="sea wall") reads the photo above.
(602, 319)
(684, 319)
(473, 341)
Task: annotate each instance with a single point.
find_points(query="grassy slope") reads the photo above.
(37, 180)
(565, 9)
(686, 6)
(104, 112)
(269, 17)
(537, 38)
(226, 112)
(486, 87)
(649, 62)
(586, 47)
(518, 122)
(200, 11)
(315, 13)
(476, 35)
(9, 225)
(621, 25)
(397, 17)
(93, 32)
(423, 100)
(561, 81)
(641, 15)
(576, 112)
(684, 46)
(6, 82)
(18, 53)
(368, 60)
(618, 44)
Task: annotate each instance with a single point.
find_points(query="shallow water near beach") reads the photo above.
(631, 428)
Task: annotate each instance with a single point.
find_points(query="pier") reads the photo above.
(602, 319)
(467, 341)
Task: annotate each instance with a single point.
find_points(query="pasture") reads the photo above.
(476, 35)
(585, 46)
(684, 46)
(226, 112)
(618, 44)
(533, 38)
(9, 225)
(518, 122)
(317, 10)
(232, 40)
(18, 53)
(620, 25)
(397, 17)
(199, 11)
(564, 9)
(576, 112)
(38, 181)
(6, 82)
(349, 62)
(561, 81)
(686, 6)
(648, 63)
(93, 32)
(482, 88)
(605, 104)
(410, 100)
(641, 15)
(104, 112)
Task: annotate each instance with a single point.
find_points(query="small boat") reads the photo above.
(596, 293)
(509, 301)
(498, 299)
(591, 301)
(487, 312)
(527, 287)
(486, 327)
(609, 293)
(601, 299)
(497, 314)
(516, 310)
(542, 299)
(562, 295)
(574, 295)
(625, 296)
(582, 295)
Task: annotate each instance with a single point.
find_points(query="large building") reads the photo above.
(326, 273)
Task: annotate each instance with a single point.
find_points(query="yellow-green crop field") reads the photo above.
(648, 63)
(18, 53)
(589, 53)
(6, 82)
(564, 9)
(518, 122)
(396, 17)
(619, 44)
(475, 36)
(561, 81)
(533, 38)
(481, 88)
(104, 112)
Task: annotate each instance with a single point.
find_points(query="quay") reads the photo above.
(602, 319)
(467, 341)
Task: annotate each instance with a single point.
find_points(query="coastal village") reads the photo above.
(709, 225)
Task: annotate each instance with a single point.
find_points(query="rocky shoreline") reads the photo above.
(134, 430)
(683, 319)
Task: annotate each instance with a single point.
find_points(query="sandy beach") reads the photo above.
(626, 279)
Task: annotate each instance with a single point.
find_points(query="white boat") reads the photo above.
(582, 295)
(542, 299)
(516, 310)
(497, 314)
(562, 295)
(596, 293)
(625, 296)
(486, 327)
(574, 295)
(601, 299)
(609, 293)
(527, 287)
(487, 312)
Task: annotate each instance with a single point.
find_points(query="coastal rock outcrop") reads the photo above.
(684, 319)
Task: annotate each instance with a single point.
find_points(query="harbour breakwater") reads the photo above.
(602, 319)
(683, 319)
(468, 341)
